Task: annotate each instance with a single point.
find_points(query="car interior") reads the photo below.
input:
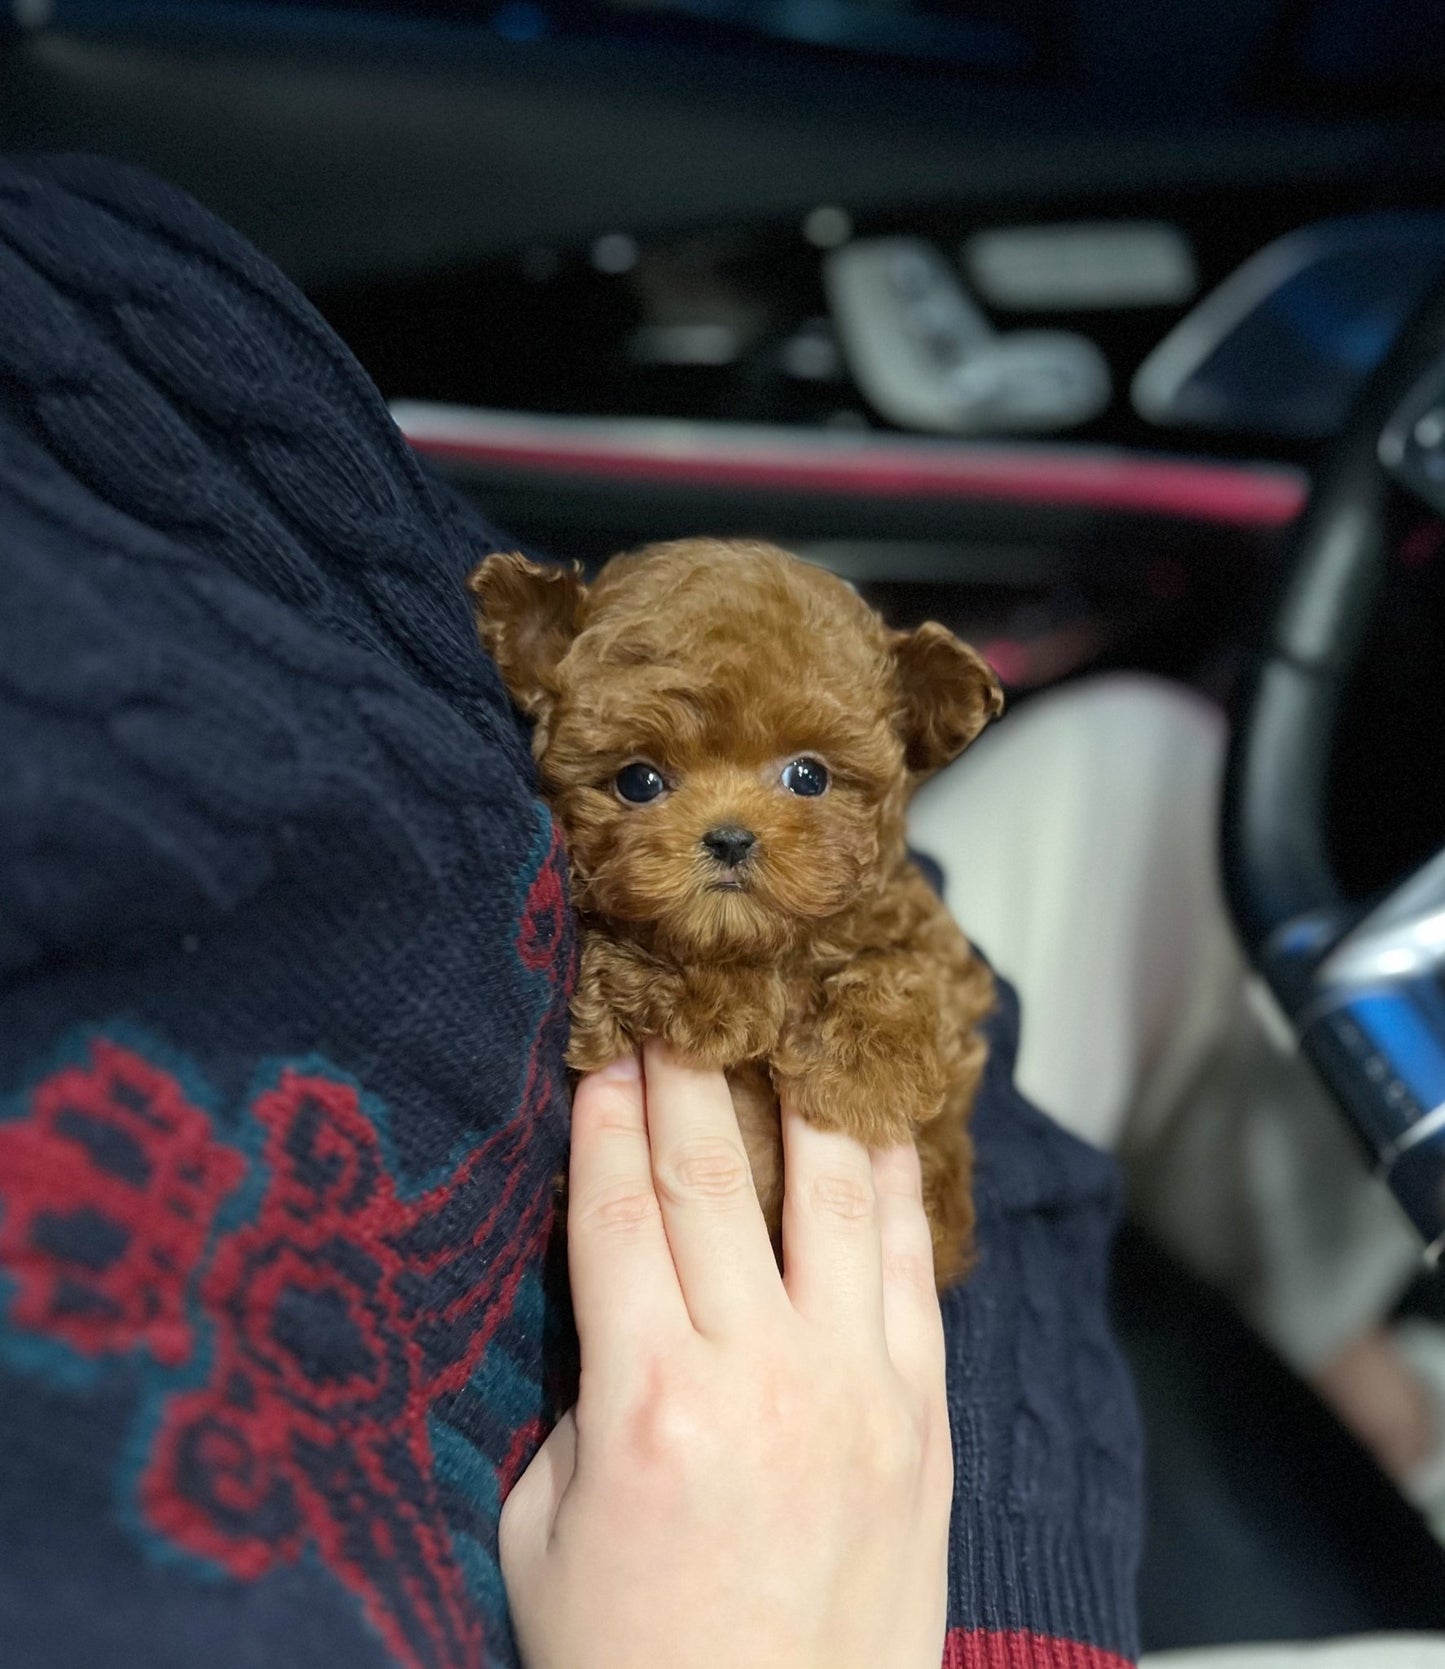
(1109, 332)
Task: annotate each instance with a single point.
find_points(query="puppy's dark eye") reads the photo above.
(805, 777)
(639, 782)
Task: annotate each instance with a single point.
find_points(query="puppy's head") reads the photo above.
(727, 735)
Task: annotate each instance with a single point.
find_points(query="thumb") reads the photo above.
(530, 1510)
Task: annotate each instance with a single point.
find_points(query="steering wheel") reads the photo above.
(1362, 986)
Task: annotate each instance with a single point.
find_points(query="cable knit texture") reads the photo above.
(284, 961)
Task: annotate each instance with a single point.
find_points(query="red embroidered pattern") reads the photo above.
(327, 1324)
(109, 1189)
(312, 1425)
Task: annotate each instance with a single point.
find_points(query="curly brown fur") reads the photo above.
(820, 966)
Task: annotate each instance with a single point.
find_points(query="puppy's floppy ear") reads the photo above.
(527, 615)
(949, 693)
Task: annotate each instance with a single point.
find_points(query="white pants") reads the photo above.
(1079, 839)
(1374, 1651)
(1079, 842)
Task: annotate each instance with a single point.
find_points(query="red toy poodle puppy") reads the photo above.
(728, 738)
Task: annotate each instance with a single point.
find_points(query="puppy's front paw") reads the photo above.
(621, 999)
(866, 1110)
(597, 1040)
(859, 1085)
(723, 1019)
(718, 1040)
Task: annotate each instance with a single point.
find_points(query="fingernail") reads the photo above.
(623, 1069)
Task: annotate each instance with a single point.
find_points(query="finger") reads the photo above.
(624, 1286)
(831, 1251)
(715, 1227)
(912, 1319)
(530, 1511)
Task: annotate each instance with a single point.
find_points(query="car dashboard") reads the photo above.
(1034, 316)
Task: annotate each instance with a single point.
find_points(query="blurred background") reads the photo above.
(1140, 254)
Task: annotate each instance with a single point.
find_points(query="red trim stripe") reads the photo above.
(986, 1648)
(1259, 496)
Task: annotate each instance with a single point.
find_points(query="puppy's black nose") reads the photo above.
(729, 844)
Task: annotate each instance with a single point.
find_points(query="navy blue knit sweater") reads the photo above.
(285, 954)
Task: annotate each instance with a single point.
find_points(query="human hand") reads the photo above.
(758, 1470)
